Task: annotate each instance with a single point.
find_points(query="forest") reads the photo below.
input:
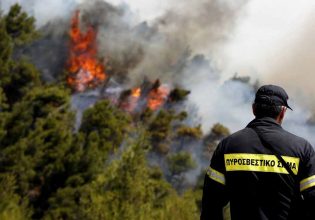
(119, 160)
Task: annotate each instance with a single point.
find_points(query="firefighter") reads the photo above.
(248, 171)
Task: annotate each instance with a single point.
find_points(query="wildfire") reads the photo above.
(136, 92)
(157, 96)
(134, 98)
(85, 70)
(129, 99)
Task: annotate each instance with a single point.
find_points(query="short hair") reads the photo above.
(263, 110)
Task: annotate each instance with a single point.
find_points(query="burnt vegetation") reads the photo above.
(129, 158)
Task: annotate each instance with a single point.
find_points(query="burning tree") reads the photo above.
(85, 71)
(157, 96)
(84, 68)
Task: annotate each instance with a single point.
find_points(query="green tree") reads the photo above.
(12, 206)
(20, 26)
(189, 132)
(23, 77)
(102, 132)
(121, 191)
(6, 49)
(39, 134)
(160, 131)
(107, 122)
(179, 207)
(218, 130)
(134, 190)
(3, 100)
(16, 76)
(180, 162)
(217, 133)
(128, 188)
(3, 114)
(103, 129)
(177, 95)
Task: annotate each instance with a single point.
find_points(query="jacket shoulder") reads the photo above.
(238, 137)
(295, 137)
(299, 142)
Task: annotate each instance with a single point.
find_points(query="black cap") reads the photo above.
(272, 95)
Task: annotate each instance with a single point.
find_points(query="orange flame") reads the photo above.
(130, 103)
(136, 92)
(85, 70)
(134, 98)
(157, 97)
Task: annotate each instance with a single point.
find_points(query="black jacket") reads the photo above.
(250, 177)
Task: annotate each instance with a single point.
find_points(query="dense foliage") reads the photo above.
(51, 170)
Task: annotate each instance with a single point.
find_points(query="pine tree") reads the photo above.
(108, 122)
(180, 162)
(6, 49)
(23, 77)
(3, 114)
(16, 76)
(38, 136)
(185, 131)
(12, 206)
(134, 190)
(102, 132)
(20, 26)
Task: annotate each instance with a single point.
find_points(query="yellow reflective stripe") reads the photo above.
(307, 183)
(216, 175)
(260, 163)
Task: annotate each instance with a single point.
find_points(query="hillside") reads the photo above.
(86, 140)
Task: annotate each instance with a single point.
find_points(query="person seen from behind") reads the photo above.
(263, 171)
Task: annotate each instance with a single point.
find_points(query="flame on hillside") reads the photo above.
(86, 71)
(136, 92)
(129, 99)
(157, 96)
(84, 68)
(139, 98)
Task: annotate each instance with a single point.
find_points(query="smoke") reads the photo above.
(187, 28)
(156, 49)
(295, 67)
(43, 11)
(201, 24)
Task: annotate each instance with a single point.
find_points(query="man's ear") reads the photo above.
(283, 111)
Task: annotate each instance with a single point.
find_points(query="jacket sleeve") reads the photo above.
(214, 191)
(307, 183)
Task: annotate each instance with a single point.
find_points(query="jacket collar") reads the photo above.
(264, 121)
